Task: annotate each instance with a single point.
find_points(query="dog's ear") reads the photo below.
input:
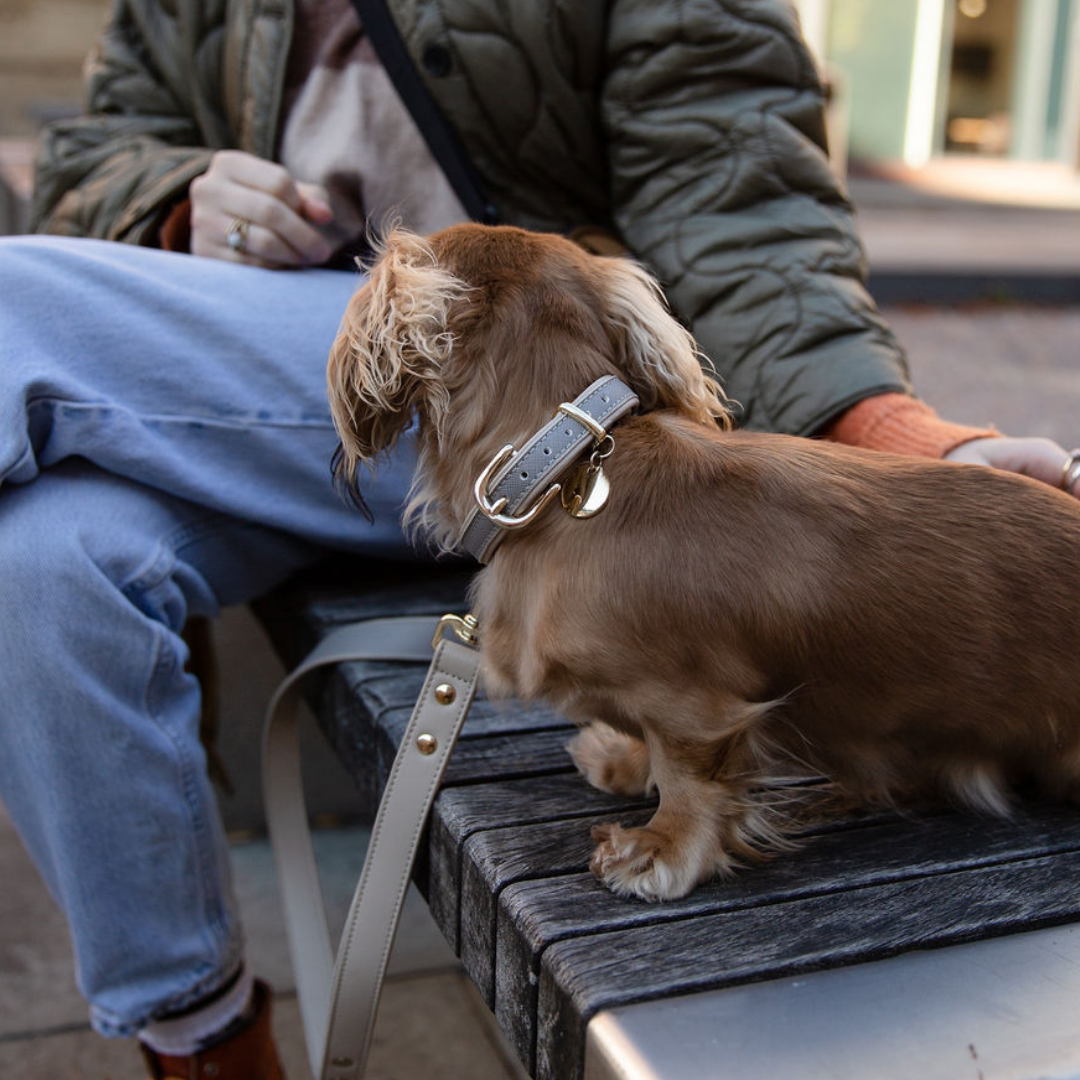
(390, 351)
(659, 356)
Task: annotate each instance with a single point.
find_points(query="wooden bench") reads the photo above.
(505, 866)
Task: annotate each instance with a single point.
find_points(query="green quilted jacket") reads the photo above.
(693, 129)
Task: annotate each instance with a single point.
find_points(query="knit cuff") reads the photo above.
(175, 232)
(900, 424)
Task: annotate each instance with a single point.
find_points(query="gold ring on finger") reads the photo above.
(236, 236)
(1070, 471)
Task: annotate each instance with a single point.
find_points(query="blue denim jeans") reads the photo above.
(164, 450)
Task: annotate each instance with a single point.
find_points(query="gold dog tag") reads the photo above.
(586, 492)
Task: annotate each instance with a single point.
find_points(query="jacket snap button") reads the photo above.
(437, 61)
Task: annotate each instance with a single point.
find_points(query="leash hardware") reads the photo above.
(492, 510)
(464, 627)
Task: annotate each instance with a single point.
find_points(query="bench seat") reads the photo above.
(505, 865)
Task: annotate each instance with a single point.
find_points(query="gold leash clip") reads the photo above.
(464, 627)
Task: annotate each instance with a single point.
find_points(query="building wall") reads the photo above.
(894, 64)
(42, 46)
(871, 45)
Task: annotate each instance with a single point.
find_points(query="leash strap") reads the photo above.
(339, 996)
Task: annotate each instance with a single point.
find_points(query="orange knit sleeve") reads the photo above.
(901, 424)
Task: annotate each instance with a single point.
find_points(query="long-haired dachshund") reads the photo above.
(745, 606)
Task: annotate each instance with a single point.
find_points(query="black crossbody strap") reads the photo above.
(440, 137)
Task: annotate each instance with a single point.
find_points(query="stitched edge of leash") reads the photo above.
(339, 997)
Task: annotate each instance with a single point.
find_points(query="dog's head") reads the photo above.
(480, 332)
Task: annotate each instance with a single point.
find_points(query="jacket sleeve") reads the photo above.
(115, 172)
(714, 120)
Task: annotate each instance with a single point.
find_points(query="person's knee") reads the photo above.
(41, 551)
(77, 546)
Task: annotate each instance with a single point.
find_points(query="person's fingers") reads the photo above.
(315, 203)
(274, 232)
(257, 245)
(250, 171)
(270, 215)
(1040, 458)
(239, 187)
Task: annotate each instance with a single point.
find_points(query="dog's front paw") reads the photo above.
(642, 863)
(612, 761)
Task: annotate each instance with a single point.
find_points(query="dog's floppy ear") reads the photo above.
(659, 356)
(390, 351)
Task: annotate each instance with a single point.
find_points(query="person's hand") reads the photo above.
(1041, 459)
(272, 216)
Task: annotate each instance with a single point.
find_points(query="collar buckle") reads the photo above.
(493, 510)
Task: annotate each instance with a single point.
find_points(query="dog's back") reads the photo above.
(914, 622)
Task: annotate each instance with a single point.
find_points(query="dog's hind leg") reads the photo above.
(612, 760)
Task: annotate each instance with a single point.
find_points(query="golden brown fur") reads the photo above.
(747, 606)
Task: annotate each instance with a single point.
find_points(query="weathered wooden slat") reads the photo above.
(384, 688)
(363, 707)
(299, 613)
(494, 744)
(460, 812)
(534, 915)
(495, 858)
(581, 976)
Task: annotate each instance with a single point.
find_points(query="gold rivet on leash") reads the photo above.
(445, 693)
(427, 744)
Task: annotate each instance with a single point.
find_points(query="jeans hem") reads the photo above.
(112, 1026)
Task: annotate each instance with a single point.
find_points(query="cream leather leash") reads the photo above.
(339, 996)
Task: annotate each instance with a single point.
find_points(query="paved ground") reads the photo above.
(432, 1023)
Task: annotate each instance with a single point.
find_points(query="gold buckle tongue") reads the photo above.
(493, 510)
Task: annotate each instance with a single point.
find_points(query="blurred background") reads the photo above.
(921, 82)
(965, 98)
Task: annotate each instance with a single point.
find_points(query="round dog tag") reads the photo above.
(586, 492)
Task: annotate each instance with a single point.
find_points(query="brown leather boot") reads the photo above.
(246, 1052)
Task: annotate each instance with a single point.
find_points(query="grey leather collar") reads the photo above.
(548, 454)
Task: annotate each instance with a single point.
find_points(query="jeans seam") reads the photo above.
(216, 929)
(216, 918)
(171, 544)
(239, 422)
